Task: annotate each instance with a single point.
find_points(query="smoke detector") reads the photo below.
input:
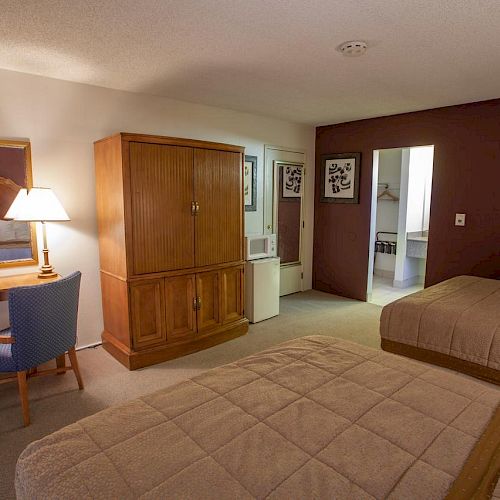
(353, 48)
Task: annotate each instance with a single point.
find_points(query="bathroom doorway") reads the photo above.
(399, 231)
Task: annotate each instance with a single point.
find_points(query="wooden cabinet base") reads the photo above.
(146, 357)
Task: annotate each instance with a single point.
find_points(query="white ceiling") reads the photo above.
(270, 57)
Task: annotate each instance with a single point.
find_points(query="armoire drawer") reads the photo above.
(147, 307)
(176, 309)
(180, 307)
(231, 293)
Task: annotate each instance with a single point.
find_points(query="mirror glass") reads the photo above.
(17, 239)
(290, 212)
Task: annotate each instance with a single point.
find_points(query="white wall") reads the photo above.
(62, 120)
(403, 263)
(419, 188)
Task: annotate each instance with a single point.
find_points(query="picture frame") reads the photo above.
(250, 183)
(291, 181)
(339, 173)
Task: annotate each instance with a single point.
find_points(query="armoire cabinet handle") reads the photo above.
(195, 208)
(195, 303)
(199, 303)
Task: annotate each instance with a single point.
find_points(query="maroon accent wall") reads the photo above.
(466, 179)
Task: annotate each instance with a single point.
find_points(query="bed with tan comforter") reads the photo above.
(316, 417)
(455, 324)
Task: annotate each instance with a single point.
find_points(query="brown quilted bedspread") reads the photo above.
(316, 417)
(459, 317)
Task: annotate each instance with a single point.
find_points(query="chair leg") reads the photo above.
(23, 394)
(74, 364)
(61, 363)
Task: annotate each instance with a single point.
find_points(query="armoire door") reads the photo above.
(231, 293)
(181, 304)
(219, 221)
(207, 290)
(147, 304)
(161, 184)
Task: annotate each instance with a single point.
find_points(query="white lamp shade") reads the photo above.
(16, 204)
(41, 204)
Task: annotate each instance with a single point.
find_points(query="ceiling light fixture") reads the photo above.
(353, 48)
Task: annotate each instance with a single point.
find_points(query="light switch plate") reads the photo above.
(459, 219)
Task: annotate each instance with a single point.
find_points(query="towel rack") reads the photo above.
(384, 246)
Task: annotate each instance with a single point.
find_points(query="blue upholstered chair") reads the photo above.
(43, 322)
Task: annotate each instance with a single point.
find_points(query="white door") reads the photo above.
(284, 184)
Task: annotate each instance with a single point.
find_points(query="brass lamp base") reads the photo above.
(46, 271)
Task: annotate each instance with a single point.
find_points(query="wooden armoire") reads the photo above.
(170, 216)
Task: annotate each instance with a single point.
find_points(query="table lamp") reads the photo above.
(38, 205)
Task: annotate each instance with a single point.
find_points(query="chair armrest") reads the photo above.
(4, 339)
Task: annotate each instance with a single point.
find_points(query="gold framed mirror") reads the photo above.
(17, 239)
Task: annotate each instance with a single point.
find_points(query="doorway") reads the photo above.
(399, 231)
(285, 174)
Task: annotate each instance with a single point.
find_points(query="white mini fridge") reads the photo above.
(262, 289)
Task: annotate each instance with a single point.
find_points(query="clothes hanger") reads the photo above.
(386, 192)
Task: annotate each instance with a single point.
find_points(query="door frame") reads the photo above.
(278, 155)
(373, 225)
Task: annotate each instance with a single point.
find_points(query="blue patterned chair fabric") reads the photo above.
(43, 321)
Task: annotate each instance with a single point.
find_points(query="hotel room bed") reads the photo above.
(316, 417)
(455, 324)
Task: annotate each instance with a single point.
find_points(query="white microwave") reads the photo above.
(260, 246)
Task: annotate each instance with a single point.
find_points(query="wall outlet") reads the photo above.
(459, 219)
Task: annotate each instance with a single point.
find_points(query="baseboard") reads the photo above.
(414, 280)
(384, 273)
(89, 346)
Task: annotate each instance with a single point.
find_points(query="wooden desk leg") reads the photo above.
(61, 363)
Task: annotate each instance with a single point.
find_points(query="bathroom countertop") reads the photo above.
(418, 236)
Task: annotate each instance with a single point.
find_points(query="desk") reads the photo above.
(8, 282)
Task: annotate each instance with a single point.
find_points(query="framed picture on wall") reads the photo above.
(291, 180)
(250, 183)
(340, 178)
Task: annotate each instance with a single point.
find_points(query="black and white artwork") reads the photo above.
(291, 181)
(340, 178)
(339, 175)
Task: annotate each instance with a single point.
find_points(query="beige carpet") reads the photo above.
(56, 402)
